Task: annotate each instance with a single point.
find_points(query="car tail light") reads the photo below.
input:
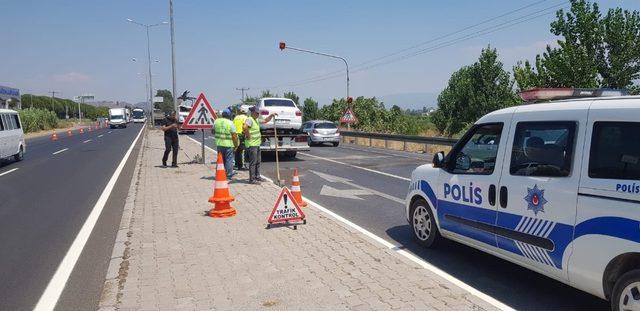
(264, 112)
(298, 113)
(300, 139)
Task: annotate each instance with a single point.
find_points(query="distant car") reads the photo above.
(11, 135)
(185, 109)
(289, 116)
(321, 131)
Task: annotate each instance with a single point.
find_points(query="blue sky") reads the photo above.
(86, 46)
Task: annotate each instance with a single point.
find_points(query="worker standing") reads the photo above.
(226, 140)
(170, 129)
(253, 139)
(238, 121)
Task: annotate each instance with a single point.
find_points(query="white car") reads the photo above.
(11, 135)
(553, 187)
(289, 116)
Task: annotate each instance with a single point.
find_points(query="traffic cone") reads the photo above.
(69, 133)
(221, 196)
(89, 128)
(54, 136)
(81, 131)
(295, 188)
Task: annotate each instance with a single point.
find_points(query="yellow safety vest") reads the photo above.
(222, 127)
(238, 121)
(254, 132)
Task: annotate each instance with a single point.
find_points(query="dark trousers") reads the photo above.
(240, 154)
(255, 158)
(170, 143)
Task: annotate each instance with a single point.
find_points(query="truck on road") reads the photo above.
(117, 117)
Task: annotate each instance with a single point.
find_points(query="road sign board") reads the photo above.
(201, 115)
(286, 209)
(349, 117)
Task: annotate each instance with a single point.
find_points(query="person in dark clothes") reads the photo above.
(170, 129)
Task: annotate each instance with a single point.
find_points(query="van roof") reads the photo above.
(569, 104)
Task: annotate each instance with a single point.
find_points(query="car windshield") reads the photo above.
(185, 109)
(326, 125)
(278, 103)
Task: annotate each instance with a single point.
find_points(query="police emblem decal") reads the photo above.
(535, 199)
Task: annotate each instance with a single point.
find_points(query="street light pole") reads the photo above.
(173, 60)
(285, 46)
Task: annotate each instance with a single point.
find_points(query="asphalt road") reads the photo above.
(45, 200)
(367, 186)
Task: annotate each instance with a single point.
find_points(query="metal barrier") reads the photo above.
(426, 141)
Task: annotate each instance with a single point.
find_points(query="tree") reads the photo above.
(167, 101)
(267, 93)
(292, 96)
(310, 110)
(474, 91)
(593, 51)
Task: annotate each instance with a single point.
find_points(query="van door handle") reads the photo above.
(503, 197)
(492, 195)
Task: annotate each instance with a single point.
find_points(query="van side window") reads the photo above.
(543, 149)
(478, 151)
(2, 122)
(615, 152)
(7, 122)
(16, 121)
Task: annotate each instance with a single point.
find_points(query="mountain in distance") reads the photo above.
(413, 101)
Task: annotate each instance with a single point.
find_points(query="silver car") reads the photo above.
(321, 131)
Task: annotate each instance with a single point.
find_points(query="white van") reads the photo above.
(117, 118)
(553, 187)
(11, 135)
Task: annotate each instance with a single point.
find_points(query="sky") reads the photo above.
(77, 47)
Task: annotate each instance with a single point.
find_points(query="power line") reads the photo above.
(484, 31)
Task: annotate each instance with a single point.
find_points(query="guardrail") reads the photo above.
(420, 143)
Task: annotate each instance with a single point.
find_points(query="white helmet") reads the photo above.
(244, 108)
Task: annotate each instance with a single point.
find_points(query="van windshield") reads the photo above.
(116, 117)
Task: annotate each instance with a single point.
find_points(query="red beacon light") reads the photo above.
(546, 94)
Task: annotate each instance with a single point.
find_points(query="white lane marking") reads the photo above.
(109, 132)
(56, 285)
(336, 179)
(372, 150)
(471, 290)
(86, 141)
(9, 171)
(61, 150)
(356, 166)
(100, 135)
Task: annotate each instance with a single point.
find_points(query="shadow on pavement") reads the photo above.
(518, 287)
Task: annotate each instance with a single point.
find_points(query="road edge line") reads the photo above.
(356, 166)
(58, 282)
(9, 171)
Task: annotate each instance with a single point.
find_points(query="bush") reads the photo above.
(34, 120)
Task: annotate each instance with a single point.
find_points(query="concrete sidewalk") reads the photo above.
(168, 256)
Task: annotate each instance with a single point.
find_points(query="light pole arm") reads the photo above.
(327, 55)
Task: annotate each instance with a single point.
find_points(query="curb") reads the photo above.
(119, 265)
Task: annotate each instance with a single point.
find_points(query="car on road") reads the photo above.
(184, 109)
(117, 117)
(551, 186)
(289, 117)
(11, 135)
(321, 131)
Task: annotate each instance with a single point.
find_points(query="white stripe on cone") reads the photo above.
(220, 167)
(295, 178)
(221, 184)
(295, 188)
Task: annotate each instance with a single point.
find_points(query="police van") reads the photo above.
(553, 187)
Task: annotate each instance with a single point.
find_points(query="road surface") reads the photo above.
(45, 200)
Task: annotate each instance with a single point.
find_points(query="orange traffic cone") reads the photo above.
(221, 196)
(69, 133)
(81, 131)
(89, 129)
(54, 136)
(295, 188)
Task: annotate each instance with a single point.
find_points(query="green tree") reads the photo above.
(310, 110)
(593, 51)
(166, 105)
(267, 93)
(292, 96)
(474, 91)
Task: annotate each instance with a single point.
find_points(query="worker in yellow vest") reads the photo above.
(238, 121)
(226, 140)
(252, 141)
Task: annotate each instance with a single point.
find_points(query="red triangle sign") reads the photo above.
(201, 115)
(286, 209)
(349, 117)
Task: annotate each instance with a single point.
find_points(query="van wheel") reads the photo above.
(20, 155)
(626, 292)
(424, 225)
(336, 144)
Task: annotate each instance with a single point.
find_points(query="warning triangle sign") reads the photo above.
(349, 117)
(201, 115)
(286, 209)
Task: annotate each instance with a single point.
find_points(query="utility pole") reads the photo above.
(242, 89)
(173, 61)
(53, 95)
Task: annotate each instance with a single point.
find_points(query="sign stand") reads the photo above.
(286, 212)
(204, 119)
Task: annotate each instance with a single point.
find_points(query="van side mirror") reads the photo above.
(438, 159)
